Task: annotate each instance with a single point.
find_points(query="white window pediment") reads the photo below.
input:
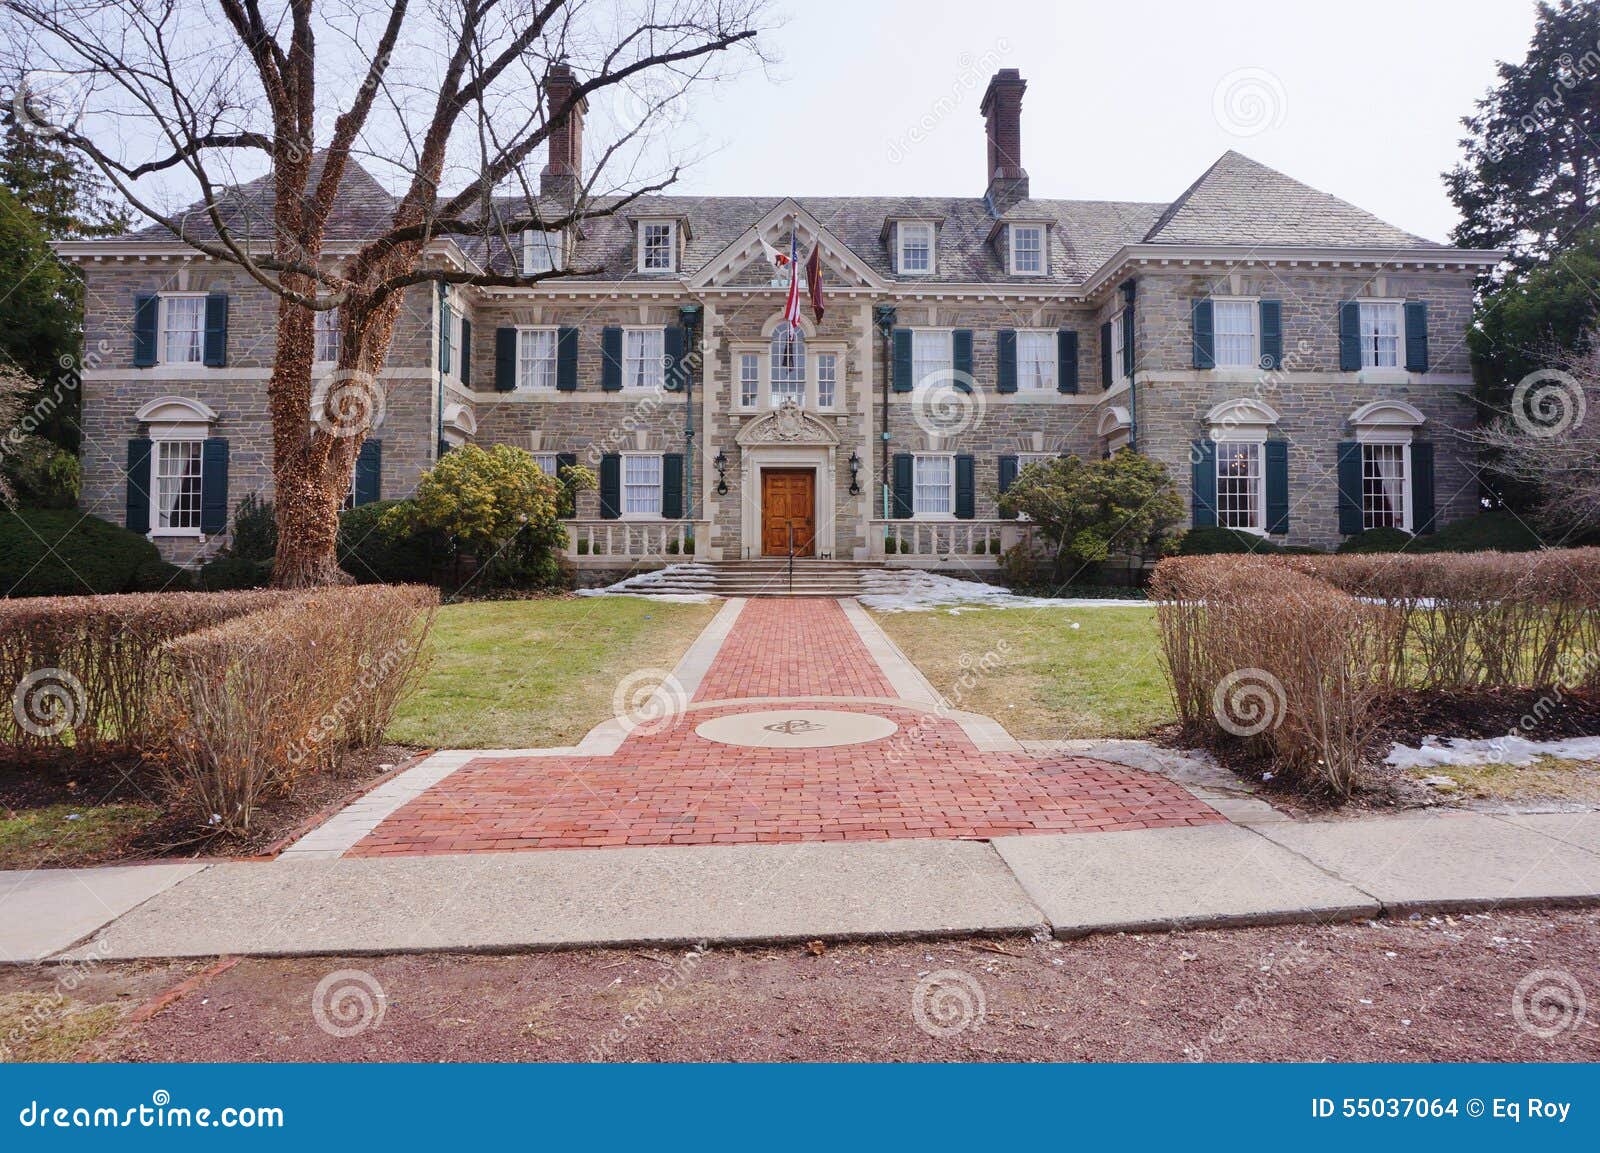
(458, 418)
(1241, 419)
(786, 425)
(1114, 419)
(176, 417)
(1387, 414)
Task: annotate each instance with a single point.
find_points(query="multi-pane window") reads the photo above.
(541, 251)
(827, 379)
(177, 485)
(327, 336)
(183, 329)
(536, 358)
(1381, 327)
(933, 485)
(749, 379)
(916, 247)
(546, 462)
(931, 353)
(1027, 249)
(788, 366)
(641, 485)
(643, 350)
(1384, 481)
(657, 250)
(1239, 497)
(1235, 323)
(1117, 340)
(1036, 360)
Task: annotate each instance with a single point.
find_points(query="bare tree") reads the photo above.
(453, 99)
(1550, 439)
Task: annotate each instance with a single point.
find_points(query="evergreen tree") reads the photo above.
(60, 186)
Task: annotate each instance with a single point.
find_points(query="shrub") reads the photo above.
(63, 552)
(1377, 540)
(1495, 530)
(374, 549)
(255, 530)
(225, 572)
(1211, 541)
(1090, 511)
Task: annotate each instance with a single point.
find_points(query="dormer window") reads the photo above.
(1027, 249)
(542, 251)
(914, 248)
(658, 246)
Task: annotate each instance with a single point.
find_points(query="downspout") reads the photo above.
(689, 318)
(885, 316)
(1129, 293)
(438, 369)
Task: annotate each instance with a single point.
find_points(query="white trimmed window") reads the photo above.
(914, 239)
(327, 336)
(658, 246)
(643, 350)
(546, 463)
(1382, 325)
(1036, 361)
(1235, 333)
(932, 353)
(1386, 486)
(1117, 373)
(788, 366)
(641, 484)
(1241, 486)
(175, 492)
(827, 379)
(536, 359)
(1027, 249)
(749, 379)
(933, 487)
(183, 328)
(542, 251)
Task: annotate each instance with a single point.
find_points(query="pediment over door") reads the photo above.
(786, 425)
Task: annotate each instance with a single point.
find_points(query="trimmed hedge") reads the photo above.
(373, 552)
(1212, 541)
(48, 552)
(1378, 540)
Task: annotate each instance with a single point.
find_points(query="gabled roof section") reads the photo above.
(1240, 201)
(774, 227)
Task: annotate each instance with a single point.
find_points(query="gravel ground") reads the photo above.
(1434, 989)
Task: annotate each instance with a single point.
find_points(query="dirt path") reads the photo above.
(1435, 989)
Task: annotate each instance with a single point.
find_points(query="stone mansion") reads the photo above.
(1299, 365)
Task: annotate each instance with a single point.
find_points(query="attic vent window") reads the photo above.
(1027, 249)
(541, 252)
(658, 246)
(915, 241)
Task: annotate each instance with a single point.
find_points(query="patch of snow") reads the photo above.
(1509, 750)
(664, 584)
(918, 591)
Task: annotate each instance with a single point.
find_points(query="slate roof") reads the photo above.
(1237, 201)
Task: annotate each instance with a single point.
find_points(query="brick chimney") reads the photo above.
(563, 175)
(1002, 115)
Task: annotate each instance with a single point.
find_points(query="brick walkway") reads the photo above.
(674, 787)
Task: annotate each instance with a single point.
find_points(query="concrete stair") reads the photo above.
(769, 577)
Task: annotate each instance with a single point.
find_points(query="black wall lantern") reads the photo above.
(855, 473)
(721, 465)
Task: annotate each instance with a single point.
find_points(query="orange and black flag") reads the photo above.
(814, 280)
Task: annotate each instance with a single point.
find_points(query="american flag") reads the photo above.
(791, 307)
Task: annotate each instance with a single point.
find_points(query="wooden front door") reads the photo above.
(788, 494)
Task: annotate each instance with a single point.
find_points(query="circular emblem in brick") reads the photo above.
(796, 729)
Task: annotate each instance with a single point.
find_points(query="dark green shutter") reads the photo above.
(1277, 460)
(213, 485)
(466, 352)
(902, 360)
(216, 342)
(567, 360)
(611, 486)
(1105, 355)
(903, 504)
(1008, 474)
(137, 518)
(564, 461)
(146, 309)
(1005, 361)
(1422, 510)
(1350, 336)
(505, 359)
(1416, 336)
(369, 472)
(1203, 480)
(1350, 518)
(1271, 334)
(1066, 360)
(1127, 342)
(611, 359)
(961, 357)
(444, 333)
(966, 487)
(672, 485)
(676, 371)
(1203, 322)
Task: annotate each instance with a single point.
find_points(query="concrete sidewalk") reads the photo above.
(1069, 885)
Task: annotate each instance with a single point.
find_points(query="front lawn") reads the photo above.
(71, 835)
(1064, 673)
(528, 674)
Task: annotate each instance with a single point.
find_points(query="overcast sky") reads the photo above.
(1128, 100)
